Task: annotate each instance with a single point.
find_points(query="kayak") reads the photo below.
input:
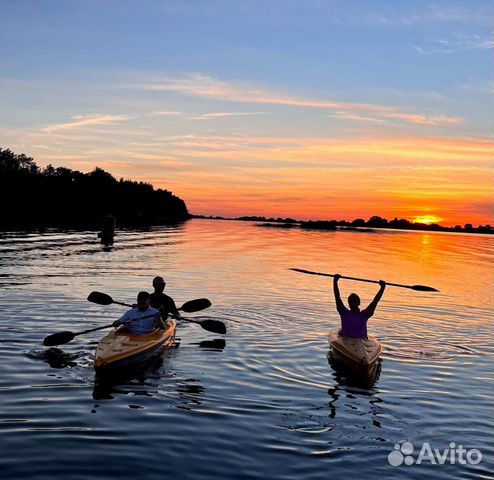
(118, 349)
(359, 355)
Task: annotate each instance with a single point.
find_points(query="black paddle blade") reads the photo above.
(213, 326)
(424, 288)
(100, 298)
(195, 305)
(58, 339)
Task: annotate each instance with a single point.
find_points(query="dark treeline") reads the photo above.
(400, 224)
(359, 223)
(34, 197)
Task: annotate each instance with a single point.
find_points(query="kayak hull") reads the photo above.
(357, 355)
(119, 350)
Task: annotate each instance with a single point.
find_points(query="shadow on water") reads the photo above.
(125, 381)
(141, 382)
(138, 380)
(190, 392)
(55, 357)
(351, 391)
(218, 344)
(348, 385)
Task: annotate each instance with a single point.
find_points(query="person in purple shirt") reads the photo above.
(354, 321)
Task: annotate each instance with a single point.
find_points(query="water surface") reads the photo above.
(262, 402)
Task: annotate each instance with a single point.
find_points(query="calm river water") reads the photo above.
(263, 403)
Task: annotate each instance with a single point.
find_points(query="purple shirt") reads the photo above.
(354, 324)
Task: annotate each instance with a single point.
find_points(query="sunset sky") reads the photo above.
(309, 109)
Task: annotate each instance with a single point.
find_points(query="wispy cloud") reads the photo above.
(443, 46)
(86, 121)
(317, 12)
(413, 16)
(356, 118)
(166, 113)
(213, 116)
(204, 86)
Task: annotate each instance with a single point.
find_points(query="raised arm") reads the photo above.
(372, 306)
(339, 303)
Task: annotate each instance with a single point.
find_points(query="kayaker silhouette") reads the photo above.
(161, 301)
(141, 319)
(354, 320)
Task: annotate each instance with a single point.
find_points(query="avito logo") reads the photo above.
(455, 454)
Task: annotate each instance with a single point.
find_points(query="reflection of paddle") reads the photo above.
(216, 344)
(421, 288)
(191, 306)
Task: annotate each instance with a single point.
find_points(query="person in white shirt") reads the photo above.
(142, 319)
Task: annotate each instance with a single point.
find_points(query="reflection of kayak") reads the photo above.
(118, 349)
(358, 355)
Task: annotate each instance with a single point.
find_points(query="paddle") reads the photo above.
(191, 306)
(61, 338)
(420, 288)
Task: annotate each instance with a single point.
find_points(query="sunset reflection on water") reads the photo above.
(265, 390)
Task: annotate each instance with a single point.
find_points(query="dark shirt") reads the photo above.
(164, 304)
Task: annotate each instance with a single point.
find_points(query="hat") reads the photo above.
(142, 296)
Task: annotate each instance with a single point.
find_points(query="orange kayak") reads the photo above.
(118, 349)
(358, 355)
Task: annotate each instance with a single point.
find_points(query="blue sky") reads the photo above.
(204, 97)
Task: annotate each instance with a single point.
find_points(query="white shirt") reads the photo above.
(138, 325)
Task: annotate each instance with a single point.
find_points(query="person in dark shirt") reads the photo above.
(162, 302)
(354, 320)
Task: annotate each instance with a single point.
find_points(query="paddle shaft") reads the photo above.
(189, 307)
(111, 325)
(413, 287)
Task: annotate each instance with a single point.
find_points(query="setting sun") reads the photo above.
(427, 219)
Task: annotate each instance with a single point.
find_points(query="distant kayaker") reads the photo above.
(161, 301)
(354, 321)
(141, 319)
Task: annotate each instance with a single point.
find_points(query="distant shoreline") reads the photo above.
(372, 224)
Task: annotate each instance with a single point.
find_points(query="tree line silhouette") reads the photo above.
(34, 197)
(357, 224)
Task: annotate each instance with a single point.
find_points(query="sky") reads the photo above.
(285, 108)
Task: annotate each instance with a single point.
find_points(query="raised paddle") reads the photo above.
(420, 288)
(191, 306)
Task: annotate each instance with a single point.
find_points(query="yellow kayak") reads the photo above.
(358, 355)
(118, 349)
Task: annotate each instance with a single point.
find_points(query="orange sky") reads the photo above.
(302, 159)
(311, 110)
(451, 180)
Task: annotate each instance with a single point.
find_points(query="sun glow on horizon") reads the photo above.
(427, 219)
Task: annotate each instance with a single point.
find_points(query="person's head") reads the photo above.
(353, 301)
(143, 300)
(159, 284)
